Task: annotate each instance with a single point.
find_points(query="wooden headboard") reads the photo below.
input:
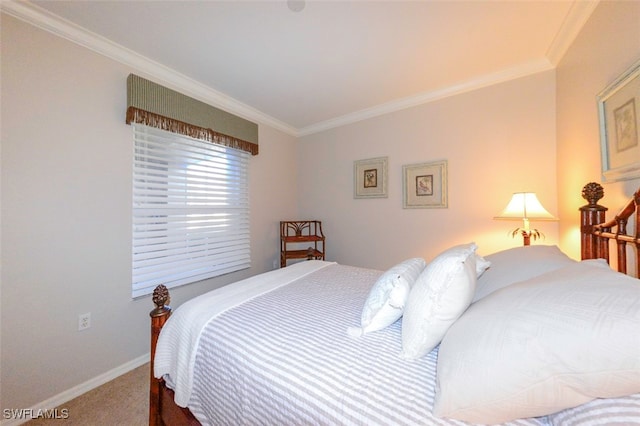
(597, 232)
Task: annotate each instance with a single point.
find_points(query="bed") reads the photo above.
(526, 336)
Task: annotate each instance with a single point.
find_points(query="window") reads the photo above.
(190, 210)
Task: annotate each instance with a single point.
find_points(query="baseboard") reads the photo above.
(82, 388)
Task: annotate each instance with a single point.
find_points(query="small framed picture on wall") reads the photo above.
(370, 178)
(425, 185)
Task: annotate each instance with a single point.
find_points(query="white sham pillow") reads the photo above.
(482, 265)
(388, 296)
(623, 411)
(519, 264)
(540, 346)
(440, 295)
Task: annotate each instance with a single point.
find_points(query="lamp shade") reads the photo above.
(525, 205)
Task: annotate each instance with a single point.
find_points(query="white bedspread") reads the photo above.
(180, 336)
(284, 357)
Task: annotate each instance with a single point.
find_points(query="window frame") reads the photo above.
(190, 212)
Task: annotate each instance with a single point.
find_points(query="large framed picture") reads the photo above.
(370, 178)
(618, 106)
(425, 185)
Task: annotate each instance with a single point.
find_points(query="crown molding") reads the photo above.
(577, 16)
(47, 21)
(431, 96)
(574, 21)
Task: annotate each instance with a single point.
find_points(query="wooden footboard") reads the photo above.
(596, 234)
(162, 408)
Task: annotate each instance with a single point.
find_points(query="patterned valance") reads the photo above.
(157, 106)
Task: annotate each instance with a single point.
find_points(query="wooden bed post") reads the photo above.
(592, 246)
(158, 317)
(636, 198)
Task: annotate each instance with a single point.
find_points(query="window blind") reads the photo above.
(190, 210)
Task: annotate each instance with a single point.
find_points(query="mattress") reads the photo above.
(284, 357)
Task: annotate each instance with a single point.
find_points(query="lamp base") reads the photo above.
(526, 235)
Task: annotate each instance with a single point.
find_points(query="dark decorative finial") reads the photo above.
(592, 192)
(160, 296)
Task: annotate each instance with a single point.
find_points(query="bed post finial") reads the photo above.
(593, 192)
(592, 214)
(160, 299)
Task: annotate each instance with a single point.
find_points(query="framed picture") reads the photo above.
(619, 111)
(370, 178)
(425, 185)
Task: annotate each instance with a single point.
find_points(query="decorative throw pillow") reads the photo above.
(440, 295)
(519, 264)
(387, 298)
(540, 346)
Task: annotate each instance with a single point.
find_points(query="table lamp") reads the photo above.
(526, 207)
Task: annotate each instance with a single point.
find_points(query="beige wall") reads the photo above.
(606, 47)
(66, 216)
(66, 194)
(497, 140)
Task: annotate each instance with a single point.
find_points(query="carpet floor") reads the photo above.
(122, 401)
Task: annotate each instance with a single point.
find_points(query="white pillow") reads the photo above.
(519, 264)
(482, 265)
(536, 347)
(440, 295)
(623, 411)
(387, 298)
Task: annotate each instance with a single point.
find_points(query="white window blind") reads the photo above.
(190, 210)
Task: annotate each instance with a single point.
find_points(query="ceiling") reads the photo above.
(331, 63)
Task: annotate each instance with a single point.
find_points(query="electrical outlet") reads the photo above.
(84, 321)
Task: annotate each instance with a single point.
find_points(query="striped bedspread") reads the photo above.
(285, 358)
(180, 337)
